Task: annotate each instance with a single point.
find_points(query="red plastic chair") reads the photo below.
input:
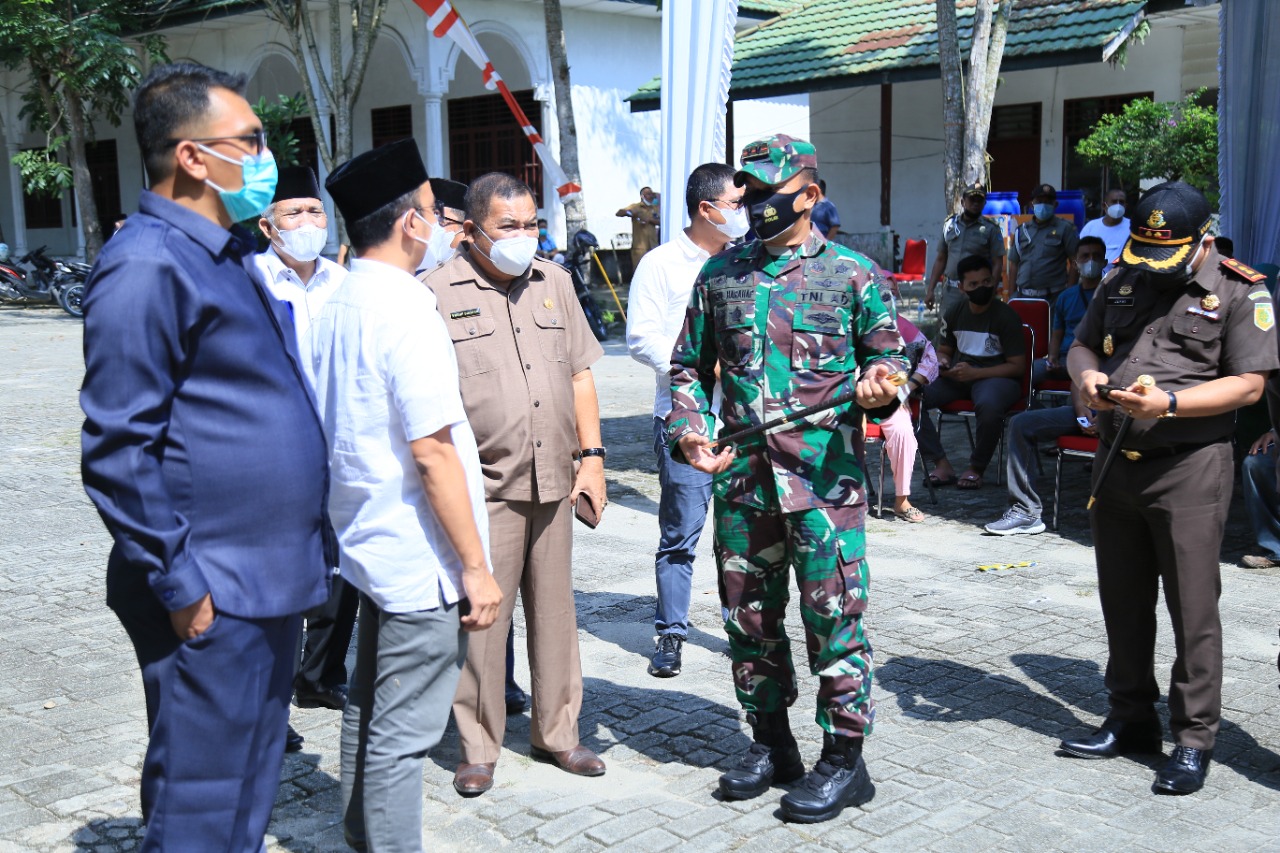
(871, 433)
(912, 262)
(1035, 313)
(965, 409)
(1079, 446)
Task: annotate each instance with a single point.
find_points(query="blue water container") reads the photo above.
(1072, 201)
(1002, 203)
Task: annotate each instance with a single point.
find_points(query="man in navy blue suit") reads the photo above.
(206, 459)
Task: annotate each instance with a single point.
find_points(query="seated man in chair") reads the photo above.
(981, 358)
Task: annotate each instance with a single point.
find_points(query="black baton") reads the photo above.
(1126, 421)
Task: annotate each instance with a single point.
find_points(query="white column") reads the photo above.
(19, 245)
(331, 245)
(433, 113)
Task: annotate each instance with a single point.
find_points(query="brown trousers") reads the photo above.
(531, 546)
(1159, 523)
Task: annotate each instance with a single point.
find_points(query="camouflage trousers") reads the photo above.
(755, 550)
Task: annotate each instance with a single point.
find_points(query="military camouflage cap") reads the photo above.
(776, 160)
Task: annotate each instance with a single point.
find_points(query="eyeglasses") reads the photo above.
(256, 140)
(292, 216)
(733, 203)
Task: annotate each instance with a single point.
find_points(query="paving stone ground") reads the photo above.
(978, 677)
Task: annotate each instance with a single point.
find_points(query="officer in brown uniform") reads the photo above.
(1202, 327)
(524, 362)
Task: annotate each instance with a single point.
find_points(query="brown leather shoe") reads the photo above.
(579, 761)
(472, 780)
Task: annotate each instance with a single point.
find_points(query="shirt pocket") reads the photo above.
(1194, 343)
(736, 332)
(553, 337)
(820, 337)
(473, 342)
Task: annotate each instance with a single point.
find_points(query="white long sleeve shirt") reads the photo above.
(659, 295)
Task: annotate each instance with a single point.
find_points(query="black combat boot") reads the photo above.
(839, 779)
(773, 757)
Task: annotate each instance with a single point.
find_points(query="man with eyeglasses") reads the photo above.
(206, 458)
(295, 272)
(659, 296)
(524, 362)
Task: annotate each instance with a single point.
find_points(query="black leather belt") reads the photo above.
(1152, 453)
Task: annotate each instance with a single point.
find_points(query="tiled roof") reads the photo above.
(767, 7)
(837, 44)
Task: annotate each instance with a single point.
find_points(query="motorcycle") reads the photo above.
(579, 265)
(72, 277)
(47, 282)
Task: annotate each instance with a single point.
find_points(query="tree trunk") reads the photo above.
(952, 105)
(89, 223)
(967, 102)
(575, 213)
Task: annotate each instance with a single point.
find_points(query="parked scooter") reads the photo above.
(45, 283)
(579, 265)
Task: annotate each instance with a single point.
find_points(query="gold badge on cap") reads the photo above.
(1126, 289)
(1210, 302)
(548, 304)
(1156, 219)
(1109, 345)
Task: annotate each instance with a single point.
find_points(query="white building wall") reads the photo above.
(846, 131)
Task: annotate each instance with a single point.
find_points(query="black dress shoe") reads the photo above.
(323, 697)
(837, 781)
(1184, 772)
(1116, 737)
(517, 701)
(293, 741)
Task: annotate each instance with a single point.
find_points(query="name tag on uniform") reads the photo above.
(463, 314)
(1120, 301)
(824, 297)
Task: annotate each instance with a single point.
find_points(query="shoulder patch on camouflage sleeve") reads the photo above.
(1243, 271)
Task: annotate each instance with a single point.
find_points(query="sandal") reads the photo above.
(912, 515)
(938, 482)
(969, 482)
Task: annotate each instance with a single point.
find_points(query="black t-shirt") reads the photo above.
(983, 340)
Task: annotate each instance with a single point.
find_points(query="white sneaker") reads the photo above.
(1013, 521)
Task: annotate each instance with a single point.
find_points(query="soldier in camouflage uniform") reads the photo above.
(791, 320)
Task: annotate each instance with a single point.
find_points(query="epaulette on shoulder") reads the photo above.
(1244, 271)
(1115, 271)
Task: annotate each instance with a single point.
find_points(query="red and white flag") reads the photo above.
(444, 21)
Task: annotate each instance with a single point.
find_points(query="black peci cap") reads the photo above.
(1165, 226)
(975, 188)
(449, 193)
(376, 178)
(296, 182)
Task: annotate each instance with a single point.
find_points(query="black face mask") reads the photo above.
(771, 213)
(981, 295)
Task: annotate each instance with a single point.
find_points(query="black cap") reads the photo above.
(296, 182)
(1165, 227)
(975, 188)
(449, 193)
(1045, 191)
(376, 178)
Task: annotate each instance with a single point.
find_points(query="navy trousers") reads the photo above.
(217, 708)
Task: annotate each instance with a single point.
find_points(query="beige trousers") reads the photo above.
(531, 546)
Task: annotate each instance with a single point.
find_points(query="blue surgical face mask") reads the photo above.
(542, 232)
(1043, 211)
(1091, 269)
(259, 174)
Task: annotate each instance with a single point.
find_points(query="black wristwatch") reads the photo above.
(593, 451)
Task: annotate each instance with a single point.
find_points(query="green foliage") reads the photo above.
(276, 117)
(1172, 140)
(77, 61)
(42, 172)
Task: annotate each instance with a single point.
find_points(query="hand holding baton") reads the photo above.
(899, 379)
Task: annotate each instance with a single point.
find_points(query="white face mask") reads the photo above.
(512, 255)
(736, 222)
(1116, 211)
(439, 245)
(304, 243)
